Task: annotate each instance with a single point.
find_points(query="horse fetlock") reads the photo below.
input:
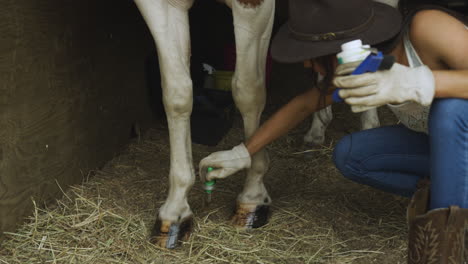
(174, 210)
(254, 194)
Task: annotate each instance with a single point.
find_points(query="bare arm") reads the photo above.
(442, 43)
(451, 83)
(285, 119)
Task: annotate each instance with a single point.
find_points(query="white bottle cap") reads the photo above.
(352, 51)
(355, 44)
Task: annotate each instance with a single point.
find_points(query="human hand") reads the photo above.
(225, 163)
(347, 68)
(394, 86)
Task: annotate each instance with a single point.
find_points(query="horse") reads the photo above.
(168, 23)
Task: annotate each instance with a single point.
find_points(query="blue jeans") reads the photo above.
(394, 158)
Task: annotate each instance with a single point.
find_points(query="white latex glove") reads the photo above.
(395, 86)
(225, 163)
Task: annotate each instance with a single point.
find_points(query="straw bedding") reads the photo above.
(317, 216)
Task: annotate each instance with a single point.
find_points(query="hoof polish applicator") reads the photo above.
(209, 186)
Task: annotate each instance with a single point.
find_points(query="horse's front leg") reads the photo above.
(168, 23)
(253, 22)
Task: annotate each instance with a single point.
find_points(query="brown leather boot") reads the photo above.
(436, 236)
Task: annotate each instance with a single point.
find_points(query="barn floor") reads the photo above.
(317, 215)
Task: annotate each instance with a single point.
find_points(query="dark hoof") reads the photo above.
(168, 234)
(251, 216)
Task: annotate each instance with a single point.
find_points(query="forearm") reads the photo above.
(288, 117)
(451, 83)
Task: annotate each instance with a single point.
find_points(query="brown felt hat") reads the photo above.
(319, 27)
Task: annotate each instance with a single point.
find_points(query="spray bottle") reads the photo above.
(350, 52)
(209, 186)
(372, 60)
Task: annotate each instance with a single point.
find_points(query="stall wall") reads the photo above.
(72, 85)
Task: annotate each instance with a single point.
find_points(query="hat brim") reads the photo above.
(285, 48)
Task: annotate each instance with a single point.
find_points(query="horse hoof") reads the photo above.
(167, 234)
(250, 215)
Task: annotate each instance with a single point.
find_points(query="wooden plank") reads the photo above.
(71, 86)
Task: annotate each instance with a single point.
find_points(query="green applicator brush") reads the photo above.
(209, 187)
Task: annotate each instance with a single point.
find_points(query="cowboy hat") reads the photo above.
(318, 27)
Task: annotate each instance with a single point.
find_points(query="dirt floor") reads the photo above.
(317, 215)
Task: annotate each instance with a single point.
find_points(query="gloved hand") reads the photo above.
(225, 163)
(395, 86)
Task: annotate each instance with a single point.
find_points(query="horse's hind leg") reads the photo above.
(370, 119)
(316, 134)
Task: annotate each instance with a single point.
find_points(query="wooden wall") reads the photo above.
(71, 85)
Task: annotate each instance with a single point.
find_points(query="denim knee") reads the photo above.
(448, 115)
(341, 154)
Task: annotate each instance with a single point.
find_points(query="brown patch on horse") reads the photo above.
(251, 3)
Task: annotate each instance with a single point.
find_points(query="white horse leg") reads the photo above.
(168, 23)
(321, 120)
(370, 119)
(253, 20)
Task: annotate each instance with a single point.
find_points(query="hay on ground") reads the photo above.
(317, 215)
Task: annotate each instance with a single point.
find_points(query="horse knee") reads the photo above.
(178, 99)
(251, 100)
